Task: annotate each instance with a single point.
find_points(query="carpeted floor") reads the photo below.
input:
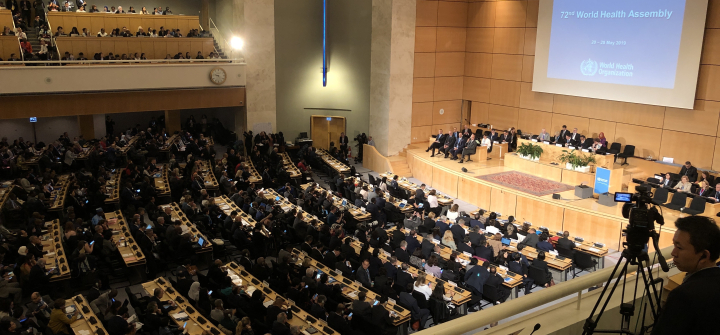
(526, 183)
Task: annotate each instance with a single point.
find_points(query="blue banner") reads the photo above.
(602, 180)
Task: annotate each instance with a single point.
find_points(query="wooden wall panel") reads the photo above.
(532, 13)
(503, 202)
(445, 182)
(9, 45)
(716, 156)
(476, 89)
(539, 213)
(708, 81)
(535, 100)
(425, 39)
(509, 40)
(448, 88)
(479, 113)
(452, 14)
(160, 50)
(121, 47)
(148, 48)
(422, 170)
(528, 68)
(479, 40)
(474, 192)
(511, 13)
(507, 67)
(478, 64)
(502, 117)
(6, 19)
(450, 39)
(688, 147)
(711, 47)
(422, 114)
(481, 14)
(506, 93)
(423, 89)
(600, 126)
(581, 123)
(424, 64)
(646, 140)
(593, 228)
(531, 121)
(530, 35)
(445, 127)
(97, 23)
(713, 17)
(449, 64)
(622, 112)
(136, 22)
(692, 121)
(426, 13)
(420, 134)
(134, 47)
(124, 22)
(451, 111)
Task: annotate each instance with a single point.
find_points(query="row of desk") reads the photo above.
(176, 214)
(57, 198)
(332, 162)
(162, 184)
(112, 188)
(122, 237)
(255, 177)
(86, 322)
(288, 165)
(56, 256)
(228, 206)
(411, 187)
(306, 322)
(357, 213)
(206, 172)
(196, 323)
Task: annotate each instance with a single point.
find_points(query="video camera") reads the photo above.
(641, 217)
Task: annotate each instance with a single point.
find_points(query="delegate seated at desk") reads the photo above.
(684, 185)
(690, 171)
(567, 141)
(544, 136)
(667, 181)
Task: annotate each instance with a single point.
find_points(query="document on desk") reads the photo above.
(268, 303)
(594, 250)
(180, 316)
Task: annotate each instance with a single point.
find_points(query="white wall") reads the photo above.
(47, 129)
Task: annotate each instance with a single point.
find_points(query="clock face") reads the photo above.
(218, 76)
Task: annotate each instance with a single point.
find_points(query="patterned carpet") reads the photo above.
(526, 183)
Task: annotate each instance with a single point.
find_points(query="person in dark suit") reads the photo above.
(381, 318)
(496, 281)
(485, 251)
(403, 277)
(331, 257)
(360, 306)
(543, 244)
(531, 239)
(401, 252)
(476, 237)
(458, 232)
(564, 241)
(667, 182)
(476, 277)
(505, 137)
(459, 147)
(338, 321)
(539, 263)
(564, 131)
(494, 136)
(343, 143)
(448, 145)
(466, 246)
(412, 242)
(406, 299)
(692, 306)
(516, 265)
(363, 274)
(575, 136)
(420, 193)
(439, 141)
(690, 171)
(427, 248)
(397, 235)
(279, 326)
(391, 268)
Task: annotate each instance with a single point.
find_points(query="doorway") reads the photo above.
(325, 129)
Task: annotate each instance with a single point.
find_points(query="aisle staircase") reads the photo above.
(399, 162)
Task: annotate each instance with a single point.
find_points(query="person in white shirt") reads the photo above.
(432, 200)
(421, 285)
(371, 141)
(20, 34)
(486, 142)
(453, 213)
(684, 185)
(102, 33)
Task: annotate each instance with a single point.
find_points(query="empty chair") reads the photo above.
(584, 262)
(538, 276)
(565, 252)
(629, 151)
(372, 179)
(677, 202)
(614, 148)
(697, 206)
(661, 195)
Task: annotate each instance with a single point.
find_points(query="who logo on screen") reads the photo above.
(589, 67)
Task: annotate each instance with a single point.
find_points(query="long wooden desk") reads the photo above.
(5, 193)
(301, 318)
(332, 162)
(56, 256)
(288, 206)
(552, 151)
(356, 212)
(206, 172)
(87, 322)
(443, 199)
(288, 165)
(162, 186)
(711, 209)
(123, 150)
(196, 323)
(188, 227)
(350, 288)
(128, 247)
(112, 188)
(255, 177)
(228, 206)
(9, 44)
(95, 21)
(57, 197)
(498, 152)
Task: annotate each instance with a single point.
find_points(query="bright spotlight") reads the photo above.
(236, 43)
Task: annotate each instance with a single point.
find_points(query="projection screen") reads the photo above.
(641, 51)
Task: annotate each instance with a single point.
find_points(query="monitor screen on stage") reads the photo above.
(642, 51)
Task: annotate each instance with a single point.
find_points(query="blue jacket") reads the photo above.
(412, 244)
(476, 278)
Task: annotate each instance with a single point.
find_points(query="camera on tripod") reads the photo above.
(641, 217)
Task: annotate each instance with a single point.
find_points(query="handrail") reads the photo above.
(20, 49)
(516, 306)
(53, 43)
(216, 31)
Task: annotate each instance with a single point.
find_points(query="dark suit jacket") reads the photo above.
(402, 255)
(566, 243)
(330, 259)
(279, 329)
(391, 270)
(406, 299)
(360, 307)
(691, 173)
(462, 247)
(427, 248)
(485, 253)
(449, 141)
(337, 322)
(692, 306)
(403, 278)
(412, 244)
(419, 194)
(530, 240)
(476, 239)
(458, 233)
(363, 276)
(476, 277)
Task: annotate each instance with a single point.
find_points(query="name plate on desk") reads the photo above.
(496, 142)
(546, 142)
(572, 148)
(558, 145)
(585, 150)
(534, 140)
(467, 254)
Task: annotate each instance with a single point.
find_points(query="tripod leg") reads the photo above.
(589, 327)
(649, 282)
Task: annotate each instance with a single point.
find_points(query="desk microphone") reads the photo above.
(537, 326)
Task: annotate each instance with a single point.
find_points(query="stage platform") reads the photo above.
(582, 217)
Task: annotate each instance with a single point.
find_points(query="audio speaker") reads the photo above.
(556, 196)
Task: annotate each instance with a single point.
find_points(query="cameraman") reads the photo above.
(691, 307)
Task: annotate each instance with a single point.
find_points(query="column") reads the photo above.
(205, 14)
(173, 122)
(259, 53)
(87, 126)
(391, 73)
(99, 126)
